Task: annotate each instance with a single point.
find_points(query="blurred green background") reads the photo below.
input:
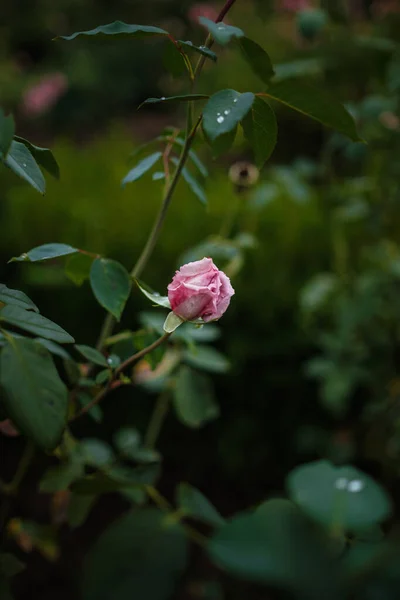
(313, 330)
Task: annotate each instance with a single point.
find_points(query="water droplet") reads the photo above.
(220, 119)
(203, 48)
(220, 27)
(110, 361)
(235, 100)
(355, 486)
(218, 114)
(227, 111)
(341, 483)
(24, 164)
(163, 98)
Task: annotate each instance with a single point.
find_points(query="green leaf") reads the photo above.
(36, 398)
(127, 440)
(16, 298)
(60, 477)
(92, 355)
(54, 348)
(172, 322)
(79, 508)
(223, 143)
(153, 296)
(314, 103)
(117, 28)
(77, 267)
(45, 252)
(341, 496)
(7, 129)
(194, 398)
(35, 323)
(194, 504)
(193, 156)
(277, 546)
(141, 555)
(10, 565)
(96, 453)
(257, 58)
(103, 376)
(111, 285)
(43, 156)
(261, 130)
(200, 49)
(117, 479)
(185, 98)
(22, 163)
(141, 168)
(207, 358)
(221, 32)
(224, 111)
(192, 183)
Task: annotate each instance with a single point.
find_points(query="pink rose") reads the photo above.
(200, 290)
(44, 95)
(202, 10)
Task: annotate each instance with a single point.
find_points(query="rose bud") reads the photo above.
(200, 290)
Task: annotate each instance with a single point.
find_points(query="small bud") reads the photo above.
(244, 175)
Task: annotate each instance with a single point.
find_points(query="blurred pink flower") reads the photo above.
(291, 5)
(202, 10)
(7, 428)
(42, 96)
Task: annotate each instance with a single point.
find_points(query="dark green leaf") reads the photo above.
(194, 504)
(341, 496)
(10, 565)
(16, 298)
(186, 98)
(103, 376)
(207, 358)
(127, 440)
(92, 355)
(77, 267)
(117, 479)
(221, 32)
(118, 28)
(43, 156)
(7, 129)
(60, 477)
(194, 398)
(314, 103)
(35, 323)
(111, 285)
(139, 556)
(96, 453)
(45, 252)
(79, 508)
(36, 398)
(277, 546)
(200, 49)
(54, 348)
(261, 130)
(257, 58)
(141, 168)
(223, 143)
(22, 163)
(224, 111)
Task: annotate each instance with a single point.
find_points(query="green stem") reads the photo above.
(157, 420)
(26, 458)
(127, 363)
(110, 321)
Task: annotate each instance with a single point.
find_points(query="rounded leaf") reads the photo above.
(111, 285)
